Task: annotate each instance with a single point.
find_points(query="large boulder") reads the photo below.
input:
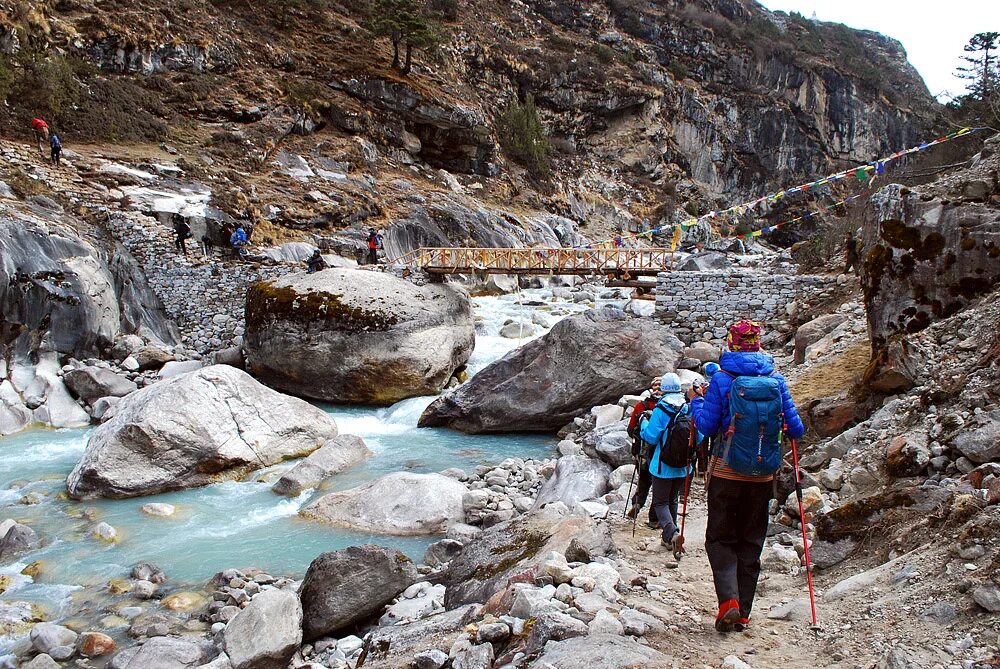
(356, 336)
(809, 333)
(576, 478)
(92, 383)
(927, 253)
(586, 360)
(164, 652)
(266, 633)
(191, 430)
(599, 651)
(340, 453)
(401, 503)
(981, 443)
(343, 588)
(514, 551)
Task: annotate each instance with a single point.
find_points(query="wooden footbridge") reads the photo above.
(620, 263)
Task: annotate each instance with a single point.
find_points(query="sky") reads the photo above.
(933, 33)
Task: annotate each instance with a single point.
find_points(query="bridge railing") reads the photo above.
(538, 260)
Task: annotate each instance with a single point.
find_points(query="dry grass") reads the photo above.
(842, 371)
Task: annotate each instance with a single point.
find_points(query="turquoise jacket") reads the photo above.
(654, 430)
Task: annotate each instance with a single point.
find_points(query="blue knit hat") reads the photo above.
(711, 368)
(670, 384)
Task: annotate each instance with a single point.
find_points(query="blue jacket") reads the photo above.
(711, 413)
(652, 432)
(238, 237)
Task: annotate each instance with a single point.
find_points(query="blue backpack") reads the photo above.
(56, 143)
(753, 440)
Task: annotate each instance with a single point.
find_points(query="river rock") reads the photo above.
(189, 430)
(345, 587)
(981, 443)
(18, 539)
(340, 453)
(162, 652)
(266, 633)
(152, 358)
(599, 651)
(356, 336)
(45, 637)
(95, 644)
(43, 661)
(91, 383)
(554, 626)
(584, 361)
(401, 503)
(14, 415)
(575, 479)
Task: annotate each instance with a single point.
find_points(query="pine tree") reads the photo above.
(408, 24)
(982, 70)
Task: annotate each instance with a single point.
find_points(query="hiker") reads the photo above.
(669, 431)
(56, 145)
(182, 232)
(374, 244)
(315, 263)
(641, 453)
(850, 253)
(238, 240)
(742, 469)
(41, 130)
(206, 245)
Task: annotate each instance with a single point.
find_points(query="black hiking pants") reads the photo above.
(734, 538)
(181, 244)
(666, 493)
(851, 263)
(642, 491)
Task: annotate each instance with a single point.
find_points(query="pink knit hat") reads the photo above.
(744, 336)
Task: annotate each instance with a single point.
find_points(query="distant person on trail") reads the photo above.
(315, 263)
(374, 244)
(749, 402)
(641, 453)
(182, 232)
(850, 253)
(206, 245)
(56, 144)
(238, 240)
(41, 130)
(669, 431)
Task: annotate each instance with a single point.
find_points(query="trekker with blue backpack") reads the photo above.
(668, 430)
(749, 402)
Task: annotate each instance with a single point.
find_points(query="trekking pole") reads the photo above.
(688, 476)
(805, 534)
(628, 501)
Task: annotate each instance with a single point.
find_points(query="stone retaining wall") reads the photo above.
(206, 296)
(700, 305)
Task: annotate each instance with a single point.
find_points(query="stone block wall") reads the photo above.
(206, 296)
(701, 305)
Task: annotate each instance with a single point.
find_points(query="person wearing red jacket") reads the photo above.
(41, 130)
(641, 457)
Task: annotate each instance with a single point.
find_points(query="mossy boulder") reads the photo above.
(355, 336)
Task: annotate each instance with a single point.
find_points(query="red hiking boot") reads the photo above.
(741, 624)
(729, 615)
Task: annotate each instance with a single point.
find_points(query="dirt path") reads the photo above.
(690, 606)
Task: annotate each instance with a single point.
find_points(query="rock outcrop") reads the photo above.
(191, 430)
(356, 336)
(401, 503)
(584, 361)
(928, 252)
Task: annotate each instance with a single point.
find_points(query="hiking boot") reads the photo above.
(741, 624)
(653, 524)
(729, 615)
(633, 511)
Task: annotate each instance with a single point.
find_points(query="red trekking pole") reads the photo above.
(689, 474)
(805, 534)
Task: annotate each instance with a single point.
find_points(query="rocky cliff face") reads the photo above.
(650, 108)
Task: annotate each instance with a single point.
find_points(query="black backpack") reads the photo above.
(675, 443)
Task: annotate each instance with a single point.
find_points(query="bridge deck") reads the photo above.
(620, 262)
